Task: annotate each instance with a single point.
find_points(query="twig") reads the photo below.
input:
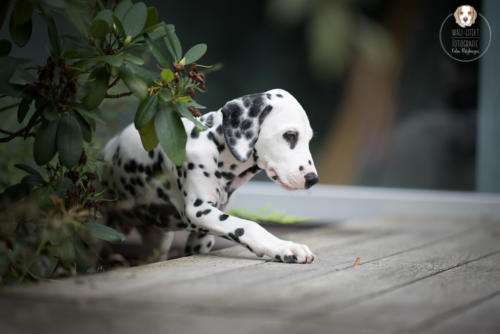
(117, 96)
(10, 106)
(12, 135)
(114, 82)
(6, 132)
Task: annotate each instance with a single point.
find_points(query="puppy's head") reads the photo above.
(465, 16)
(274, 127)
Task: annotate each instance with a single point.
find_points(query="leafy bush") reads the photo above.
(48, 219)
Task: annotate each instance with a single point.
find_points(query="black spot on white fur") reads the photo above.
(239, 123)
(236, 126)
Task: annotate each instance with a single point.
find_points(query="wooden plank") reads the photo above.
(481, 316)
(193, 268)
(273, 286)
(232, 291)
(347, 240)
(417, 306)
(19, 317)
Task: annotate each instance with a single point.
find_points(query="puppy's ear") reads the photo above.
(474, 15)
(241, 121)
(457, 15)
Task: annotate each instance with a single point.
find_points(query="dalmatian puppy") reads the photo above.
(268, 131)
(465, 16)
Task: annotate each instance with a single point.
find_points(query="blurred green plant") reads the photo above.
(58, 103)
(269, 215)
(336, 32)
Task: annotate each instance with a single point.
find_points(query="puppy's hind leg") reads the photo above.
(199, 243)
(155, 243)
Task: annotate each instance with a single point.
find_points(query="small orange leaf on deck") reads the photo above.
(357, 262)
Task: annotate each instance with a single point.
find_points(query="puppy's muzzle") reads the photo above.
(311, 179)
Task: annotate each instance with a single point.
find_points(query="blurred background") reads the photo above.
(388, 107)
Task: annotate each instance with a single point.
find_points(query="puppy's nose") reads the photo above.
(311, 179)
(466, 19)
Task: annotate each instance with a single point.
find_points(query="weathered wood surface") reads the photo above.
(417, 275)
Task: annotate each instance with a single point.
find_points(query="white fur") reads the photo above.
(200, 177)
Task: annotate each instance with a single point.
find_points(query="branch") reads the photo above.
(10, 106)
(12, 135)
(114, 82)
(6, 132)
(117, 96)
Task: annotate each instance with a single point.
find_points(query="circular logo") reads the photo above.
(462, 35)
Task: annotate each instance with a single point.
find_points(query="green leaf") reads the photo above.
(152, 18)
(134, 60)
(23, 109)
(32, 180)
(105, 15)
(54, 38)
(44, 266)
(84, 65)
(50, 114)
(156, 51)
(137, 86)
(70, 54)
(195, 104)
(99, 29)
(90, 116)
(106, 233)
(77, 20)
(52, 31)
(44, 147)
(171, 133)
(96, 87)
(185, 98)
(9, 66)
(165, 94)
(22, 12)
(142, 73)
(69, 141)
(5, 47)
(122, 8)
(119, 26)
(20, 34)
(167, 75)
(156, 31)
(30, 170)
(184, 112)
(172, 42)
(115, 61)
(146, 111)
(85, 127)
(35, 117)
(149, 138)
(195, 53)
(66, 252)
(135, 19)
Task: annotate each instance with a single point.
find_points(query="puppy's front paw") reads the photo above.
(291, 252)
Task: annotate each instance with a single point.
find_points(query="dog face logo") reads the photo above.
(465, 16)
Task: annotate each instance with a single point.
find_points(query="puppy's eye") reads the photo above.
(291, 138)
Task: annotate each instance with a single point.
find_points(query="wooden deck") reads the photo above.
(416, 275)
